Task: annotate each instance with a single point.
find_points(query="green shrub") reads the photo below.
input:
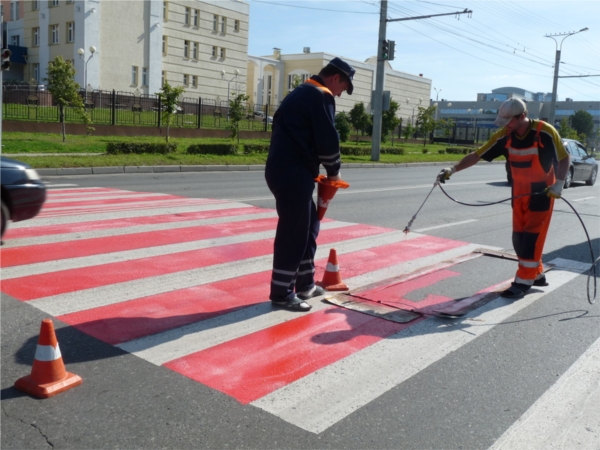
(212, 149)
(392, 150)
(120, 148)
(256, 148)
(441, 152)
(354, 150)
(424, 151)
(458, 150)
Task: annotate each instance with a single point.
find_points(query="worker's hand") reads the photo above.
(444, 175)
(337, 177)
(555, 190)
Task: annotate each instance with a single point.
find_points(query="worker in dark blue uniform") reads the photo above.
(304, 137)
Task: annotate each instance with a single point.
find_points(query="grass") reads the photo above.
(51, 144)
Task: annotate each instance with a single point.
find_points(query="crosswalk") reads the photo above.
(183, 283)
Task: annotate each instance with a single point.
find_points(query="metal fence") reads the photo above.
(125, 108)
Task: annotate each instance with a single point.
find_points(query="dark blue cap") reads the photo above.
(347, 69)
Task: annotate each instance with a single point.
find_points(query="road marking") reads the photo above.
(566, 415)
(582, 199)
(58, 185)
(421, 230)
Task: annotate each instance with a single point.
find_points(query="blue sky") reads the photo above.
(501, 44)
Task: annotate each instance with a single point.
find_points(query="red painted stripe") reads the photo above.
(54, 283)
(255, 365)
(97, 246)
(134, 319)
(109, 201)
(79, 227)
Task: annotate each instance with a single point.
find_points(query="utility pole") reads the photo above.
(552, 115)
(379, 76)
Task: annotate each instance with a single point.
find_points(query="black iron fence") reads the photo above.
(125, 108)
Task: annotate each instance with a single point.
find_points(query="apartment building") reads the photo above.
(133, 45)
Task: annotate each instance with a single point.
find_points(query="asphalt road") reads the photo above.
(474, 397)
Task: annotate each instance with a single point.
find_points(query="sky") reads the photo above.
(502, 43)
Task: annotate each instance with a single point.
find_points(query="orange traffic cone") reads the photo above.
(325, 193)
(48, 374)
(331, 278)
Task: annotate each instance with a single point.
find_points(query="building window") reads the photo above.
(186, 49)
(134, 75)
(195, 50)
(54, 3)
(14, 40)
(214, 52)
(215, 23)
(144, 76)
(71, 32)
(165, 10)
(223, 25)
(185, 79)
(35, 5)
(36, 72)
(187, 17)
(14, 10)
(196, 17)
(54, 34)
(223, 52)
(163, 77)
(164, 45)
(194, 81)
(236, 25)
(36, 36)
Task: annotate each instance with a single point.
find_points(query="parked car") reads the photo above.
(23, 193)
(268, 119)
(584, 167)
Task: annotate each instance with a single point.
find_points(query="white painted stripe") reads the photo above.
(112, 232)
(58, 185)
(169, 345)
(566, 416)
(582, 199)
(146, 252)
(421, 230)
(126, 214)
(120, 292)
(389, 362)
(74, 209)
(47, 353)
(92, 197)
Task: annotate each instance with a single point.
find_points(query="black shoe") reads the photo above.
(541, 282)
(516, 291)
(314, 292)
(295, 304)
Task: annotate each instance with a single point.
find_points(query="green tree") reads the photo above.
(446, 125)
(389, 121)
(566, 131)
(342, 125)
(169, 96)
(408, 131)
(583, 122)
(236, 114)
(426, 122)
(65, 91)
(359, 118)
(296, 81)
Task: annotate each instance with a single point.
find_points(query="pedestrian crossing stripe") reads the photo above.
(183, 283)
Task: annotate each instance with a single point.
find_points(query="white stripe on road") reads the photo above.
(421, 230)
(172, 344)
(102, 196)
(62, 185)
(567, 416)
(582, 199)
(390, 362)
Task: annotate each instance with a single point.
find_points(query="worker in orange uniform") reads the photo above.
(538, 163)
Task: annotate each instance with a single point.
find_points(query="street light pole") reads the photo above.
(81, 53)
(236, 72)
(437, 93)
(413, 112)
(552, 115)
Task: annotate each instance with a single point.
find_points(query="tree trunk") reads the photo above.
(62, 122)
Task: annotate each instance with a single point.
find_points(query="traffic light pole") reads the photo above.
(379, 76)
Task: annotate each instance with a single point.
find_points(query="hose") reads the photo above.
(591, 272)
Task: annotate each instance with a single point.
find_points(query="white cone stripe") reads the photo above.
(147, 252)
(70, 302)
(93, 197)
(127, 214)
(169, 345)
(566, 414)
(112, 232)
(47, 353)
(388, 363)
(332, 267)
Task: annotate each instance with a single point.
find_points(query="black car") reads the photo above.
(23, 193)
(584, 167)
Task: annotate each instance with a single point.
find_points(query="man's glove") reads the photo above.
(445, 174)
(555, 190)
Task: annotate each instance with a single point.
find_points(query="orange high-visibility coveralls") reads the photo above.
(531, 158)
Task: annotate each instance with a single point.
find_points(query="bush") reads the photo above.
(256, 148)
(115, 148)
(441, 152)
(425, 151)
(354, 150)
(392, 150)
(212, 149)
(458, 150)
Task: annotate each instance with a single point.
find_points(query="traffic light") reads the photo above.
(385, 50)
(392, 47)
(6, 58)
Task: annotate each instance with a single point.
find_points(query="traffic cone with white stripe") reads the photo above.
(332, 281)
(48, 374)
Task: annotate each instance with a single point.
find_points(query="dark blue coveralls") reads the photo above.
(303, 137)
